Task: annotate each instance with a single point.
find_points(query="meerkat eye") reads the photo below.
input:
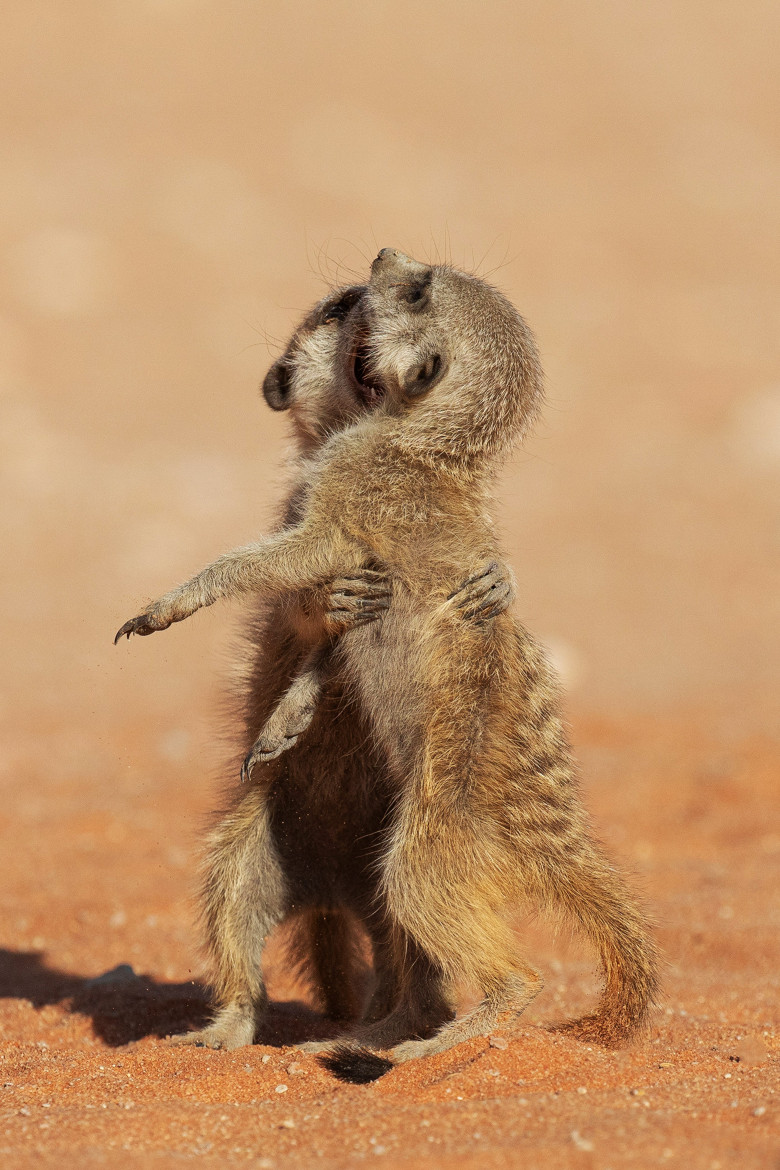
(420, 379)
(418, 294)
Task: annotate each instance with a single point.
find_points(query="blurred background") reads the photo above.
(180, 179)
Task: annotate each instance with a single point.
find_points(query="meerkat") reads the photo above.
(325, 944)
(318, 409)
(290, 640)
(476, 811)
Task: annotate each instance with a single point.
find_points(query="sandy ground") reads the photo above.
(98, 973)
(179, 179)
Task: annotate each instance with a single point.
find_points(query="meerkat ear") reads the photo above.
(423, 375)
(276, 386)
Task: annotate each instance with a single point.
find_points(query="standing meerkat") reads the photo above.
(478, 810)
(287, 644)
(318, 408)
(325, 943)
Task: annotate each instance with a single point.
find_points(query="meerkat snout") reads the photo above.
(393, 269)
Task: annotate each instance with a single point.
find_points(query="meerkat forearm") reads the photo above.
(296, 558)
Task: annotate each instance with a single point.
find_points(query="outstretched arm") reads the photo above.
(296, 558)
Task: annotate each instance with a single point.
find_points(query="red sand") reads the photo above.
(88, 1081)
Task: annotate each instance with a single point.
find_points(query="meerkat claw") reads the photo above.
(142, 625)
(257, 756)
(490, 569)
(493, 603)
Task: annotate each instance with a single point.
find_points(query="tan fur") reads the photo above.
(471, 807)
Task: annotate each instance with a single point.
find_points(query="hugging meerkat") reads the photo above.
(320, 879)
(476, 809)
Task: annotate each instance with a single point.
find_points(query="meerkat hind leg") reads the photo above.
(501, 1004)
(422, 1005)
(352, 1060)
(245, 898)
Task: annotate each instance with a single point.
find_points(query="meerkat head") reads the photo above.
(439, 350)
(450, 355)
(315, 376)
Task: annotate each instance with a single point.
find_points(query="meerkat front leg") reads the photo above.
(292, 714)
(297, 558)
(350, 602)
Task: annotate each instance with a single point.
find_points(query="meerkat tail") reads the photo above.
(608, 916)
(355, 1064)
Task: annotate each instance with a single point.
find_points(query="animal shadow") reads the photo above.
(124, 1006)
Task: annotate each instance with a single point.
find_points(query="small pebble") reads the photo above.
(281, 1089)
(266, 1057)
(288, 1124)
(499, 1042)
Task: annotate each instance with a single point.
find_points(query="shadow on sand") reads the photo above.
(125, 1007)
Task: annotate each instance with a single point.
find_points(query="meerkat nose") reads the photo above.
(391, 266)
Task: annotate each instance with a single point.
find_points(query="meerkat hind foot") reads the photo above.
(316, 1047)
(381, 1034)
(231, 1029)
(593, 1029)
(503, 1006)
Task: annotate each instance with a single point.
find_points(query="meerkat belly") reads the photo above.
(422, 663)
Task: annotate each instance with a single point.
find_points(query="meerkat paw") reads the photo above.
(156, 617)
(486, 593)
(278, 735)
(225, 1035)
(146, 623)
(354, 601)
(175, 606)
(410, 1050)
(316, 1046)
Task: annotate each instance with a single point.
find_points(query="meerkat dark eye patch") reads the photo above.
(422, 377)
(417, 294)
(276, 386)
(338, 310)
